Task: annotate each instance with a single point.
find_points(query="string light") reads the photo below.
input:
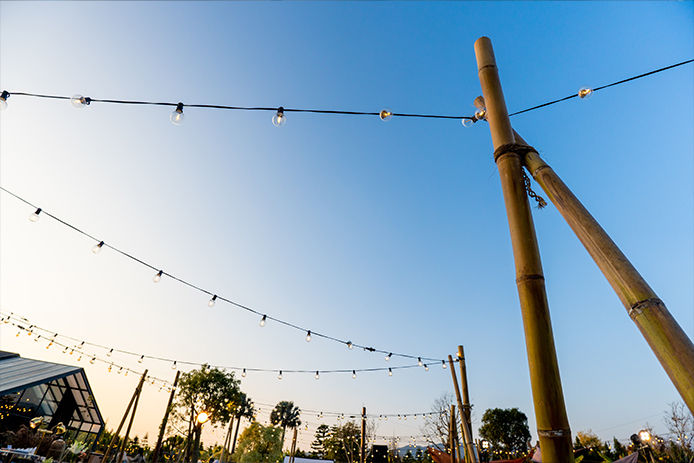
(443, 364)
(354, 374)
(213, 299)
(3, 100)
(389, 356)
(157, 277)
(79, 101)
(385, 114)
(317, 375)
(142, 357)
(308, 336)
(243, 373)
(92, 360)
(35, 216)
(585, 92)
(262, 320)
(419, 361)
(109, 353)
(173, 365)
(177, 115)
(350, 345)
(426, 368)
(390, 371)
(279, 119)
(279, 376)
(97, 247)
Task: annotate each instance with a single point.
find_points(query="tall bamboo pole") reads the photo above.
(125, 416)
(451, 430)
(293, 447)
(162, 428)
(550, 411)
(465, 431)
(464, 388)
(121, 450)
(227, 440)
(362, 448)
(236, 434)
(669, 342)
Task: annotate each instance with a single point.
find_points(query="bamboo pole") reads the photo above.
(236, 434)
(669, 342)
(293, 452)
(451, 430)
(464, 430)
(121, 450)
(162, 429)
(362, 448)
(550, 411)
(125, 416)
(464, 388)
(227, 441)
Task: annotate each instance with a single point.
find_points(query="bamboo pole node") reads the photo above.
(520, 150)
(638, 308)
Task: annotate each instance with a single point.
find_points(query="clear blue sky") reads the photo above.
(391, 234)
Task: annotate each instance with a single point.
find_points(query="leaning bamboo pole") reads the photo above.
(667, 339)
(362, 446)
(466, 396)
(125, 416)
(548, 399)
(464, 430)
(124, 442)
(164, 421)
(451, 436)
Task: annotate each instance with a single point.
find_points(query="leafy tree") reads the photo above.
(318, 445)
(259, 444)
(206, 390)
(286, 415)
(587, 439)
(506, 430)
(344, 443)
(242, 408)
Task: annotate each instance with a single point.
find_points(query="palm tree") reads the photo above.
(285, 414)
(244, 410)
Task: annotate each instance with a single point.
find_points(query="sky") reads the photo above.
(391, 234)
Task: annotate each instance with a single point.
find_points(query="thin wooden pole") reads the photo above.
(464, 430)
(464, 388)
(667, 339)
(227, 441)
(125, 416)
(293, 452)
(362, 449)
(162, 428)
(548, 398)
(236, 434)
(451, 436)
(121, 450)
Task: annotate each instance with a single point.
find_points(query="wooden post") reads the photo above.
(548, 398)
(236, 434)
(464, 388)
(162, 428)
(464, 430)
(669, 342)
(121, 450)
(227, 441)
(451, 434)
(104, 459)
(362, 448)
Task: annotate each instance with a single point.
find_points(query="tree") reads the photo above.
(344, 443)
(243, 408)
(206, 390)
(436, 425)
(587, 439)
(680, 423)
(318, 445)
(506, 430)
(259, 444)
(286, 415)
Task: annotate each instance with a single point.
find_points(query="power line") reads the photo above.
(214, 296)
(585, 92)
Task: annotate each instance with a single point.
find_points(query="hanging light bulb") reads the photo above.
(308, 336)
(109, 353)
(49, 345)
(385, 114)
(349, 344)
(426, 368)
(279, 376)
(173, 366)
(3, 100)
(419, 361)
(279, 119)
(72, 351)
(157, 277)
(120, 370)
(29, 330)
(36, 339)
(262, 320)
(389, 356)
(92, 360)
(97, 247)
(467, 122)
(243, 373)
(354, 374)
(79, 101)
(317, 376)
(390, 372)
(443, 364)
(142, 357)
(212, 301)
(177, 115)
(585, 92)
(481, 114)
(35, 216)
(79, 359)
(110, 367)
(18, 332)
(126, 372)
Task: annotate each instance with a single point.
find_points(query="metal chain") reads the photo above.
(541, 203)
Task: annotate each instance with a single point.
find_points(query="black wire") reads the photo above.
(243, 108)
(575, 95)
(210, 293)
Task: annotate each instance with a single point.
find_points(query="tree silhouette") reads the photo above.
(286, 415)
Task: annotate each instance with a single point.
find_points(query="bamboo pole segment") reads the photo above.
(548, 399)
(291, 460)
(667, 339)
(162, 429)
(464, 430)
(451, 431)
(125, 416)
(227, 441)
(121, 450)
(464, 388)
(236, 434)
(362, 448)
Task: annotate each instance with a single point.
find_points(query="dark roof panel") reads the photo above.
(17, 373)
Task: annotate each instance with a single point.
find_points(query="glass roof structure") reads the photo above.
(58, 393)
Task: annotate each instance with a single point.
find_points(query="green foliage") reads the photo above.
(506, 430)
(206, 389)
(343, 444)
(259, 444)
(318, 445)
(286, 415)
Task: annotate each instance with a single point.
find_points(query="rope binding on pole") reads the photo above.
(521, 150)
